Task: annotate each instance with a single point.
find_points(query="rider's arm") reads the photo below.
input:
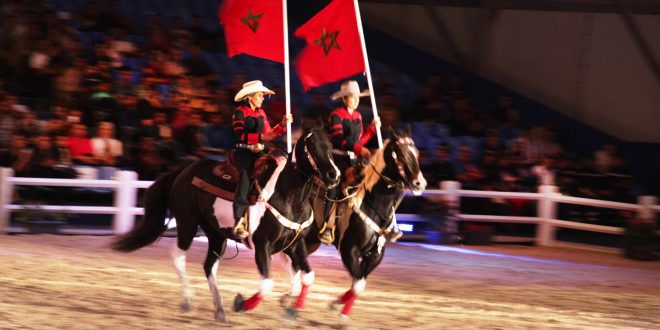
(366, 136)
(337, 132)
(238, 123)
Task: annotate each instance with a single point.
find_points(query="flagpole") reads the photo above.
(287, 78)
(368, 70)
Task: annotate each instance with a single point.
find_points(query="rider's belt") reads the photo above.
(350, 154)
(252, 147)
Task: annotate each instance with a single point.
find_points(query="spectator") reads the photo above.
(149, 163)
(544, 171)
(18, 155)
(189, 136)
(217, 136)
(467, 172)
(8, 120)
(80, 146)
(106, 148)
(68, 83)
(440, 169)
(605, 158)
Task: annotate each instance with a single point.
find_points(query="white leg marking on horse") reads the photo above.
(359, 285)
(179, 258)
(266, 287)
(220, 314)
(213, 286)
(294, 282)
(308, 278)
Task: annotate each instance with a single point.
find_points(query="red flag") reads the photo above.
(333, 48)
(254, 27)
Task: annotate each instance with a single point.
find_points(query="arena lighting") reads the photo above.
(406, 227)
(446, 248)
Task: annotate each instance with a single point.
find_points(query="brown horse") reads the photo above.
(369, 213)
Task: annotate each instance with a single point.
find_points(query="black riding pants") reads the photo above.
(244, 159)
(342, 162)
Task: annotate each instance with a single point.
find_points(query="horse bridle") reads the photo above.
(401, 143)
(310, 159)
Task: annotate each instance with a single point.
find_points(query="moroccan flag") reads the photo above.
(253, 27)
(333, 48)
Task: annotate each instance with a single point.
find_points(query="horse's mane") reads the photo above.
(370, 175)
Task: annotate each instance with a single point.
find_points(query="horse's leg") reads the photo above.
(294, 276)
(262, 252)
(299, 263)
(294, 280)
(370, 262)
(186, 232)
(350, 256)
(216, 250)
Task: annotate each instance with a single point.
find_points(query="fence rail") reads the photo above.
(125, 186)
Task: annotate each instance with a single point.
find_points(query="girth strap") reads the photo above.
(381, 232)
(288, 223)
(298, 227)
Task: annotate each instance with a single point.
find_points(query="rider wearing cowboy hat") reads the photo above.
(251, 128)
(348, 140)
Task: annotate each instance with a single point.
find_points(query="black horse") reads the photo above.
(369, 212)
(281, 216)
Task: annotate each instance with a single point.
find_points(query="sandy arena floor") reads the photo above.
(77, 282)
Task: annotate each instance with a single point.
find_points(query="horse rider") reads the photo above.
(251, 128)
(348, 140)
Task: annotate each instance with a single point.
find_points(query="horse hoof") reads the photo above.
(285, 300)
(221, 317)
(291, 313)
(333, 305)
(186, 306)
(238, 303)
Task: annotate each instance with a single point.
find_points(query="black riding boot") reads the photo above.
(327, 232)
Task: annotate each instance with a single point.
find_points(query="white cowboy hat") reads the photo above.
(349, 87)
(251, 87)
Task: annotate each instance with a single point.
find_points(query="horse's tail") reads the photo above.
(153, 224)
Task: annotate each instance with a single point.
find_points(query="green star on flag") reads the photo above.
(328, 41)
(252, 20)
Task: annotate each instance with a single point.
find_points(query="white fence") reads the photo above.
(126, 186)
(124, 209)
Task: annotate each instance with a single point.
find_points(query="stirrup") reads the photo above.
(326, 234)
(240, 229)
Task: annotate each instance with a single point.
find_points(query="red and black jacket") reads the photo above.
(249, 125)
(346, 130)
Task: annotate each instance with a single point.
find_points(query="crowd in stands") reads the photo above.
(91, 88)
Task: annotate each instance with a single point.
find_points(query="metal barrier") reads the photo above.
(126, 185)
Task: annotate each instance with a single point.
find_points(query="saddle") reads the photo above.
(225, 177)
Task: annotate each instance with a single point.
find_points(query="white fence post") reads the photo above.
(125, 200)
(6, 191)
(646, 211)
(546, 211)
(453, 197)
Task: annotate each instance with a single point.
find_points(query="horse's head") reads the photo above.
(402, 161)
(313, 151)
